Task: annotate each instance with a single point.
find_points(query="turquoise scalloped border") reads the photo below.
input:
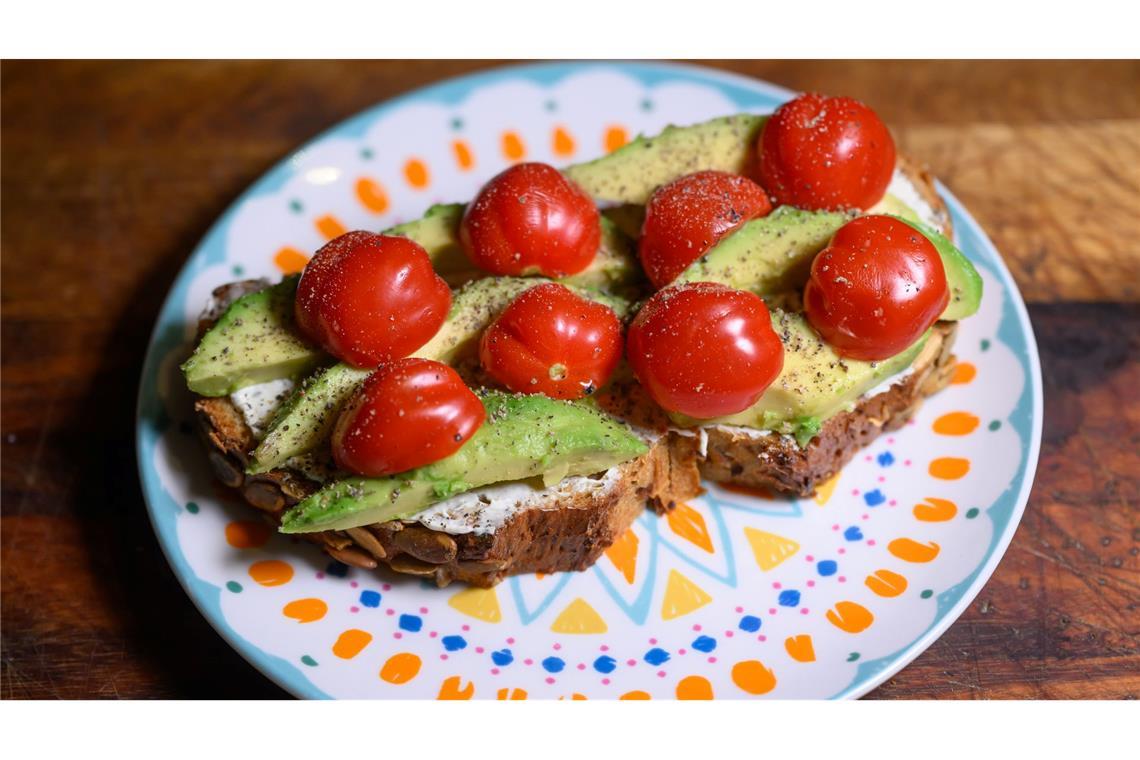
(1014, 330)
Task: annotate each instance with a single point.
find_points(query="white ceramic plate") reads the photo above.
(733, 595)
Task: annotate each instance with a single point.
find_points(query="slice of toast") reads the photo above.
(740, 456)
(558, 529)
(776, 462)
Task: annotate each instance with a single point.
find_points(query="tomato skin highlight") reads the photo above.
(876, 288)
(819, 152)
(704, 349)
(406, 414)
(368, 298)
(688, 216)
(550, 340)
(531, 219)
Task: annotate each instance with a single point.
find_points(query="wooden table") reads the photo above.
(113, 171)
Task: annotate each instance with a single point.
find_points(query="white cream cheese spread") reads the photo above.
(902, 188)
(258, 403)
(486, 510)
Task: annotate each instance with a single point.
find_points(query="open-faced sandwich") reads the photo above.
(503, 386)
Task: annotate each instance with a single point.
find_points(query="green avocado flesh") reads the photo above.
(253, 342)
(628, 217)
(307, 417)
(815, 381)
(523, 437)
(631, 173)
(768, 255)
(438, 232)
(893, 205)
(963, 279)
(615, 267)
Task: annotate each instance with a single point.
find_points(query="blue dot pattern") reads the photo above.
(750, 623)
(886, 459)
(453, 643)
(369, 598)
(827, 567)
(553, 664)
(853, 533)
(874, 498)
(411, 622)
(656, 656)
(605, 664)
(502, 657)
(704, 643)
(789, 598)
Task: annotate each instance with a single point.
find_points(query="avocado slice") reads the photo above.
(892, 205)
(814, 383)
(523, 437)
(631, 173)
(770, 254)
(629, 217)
(615, 268)
(963, 279)
(774, 254)
(307, 417)
(438, 232)
(253, 342)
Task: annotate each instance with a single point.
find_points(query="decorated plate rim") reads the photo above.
(206, 597)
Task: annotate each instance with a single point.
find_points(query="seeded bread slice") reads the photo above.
(777, 463)
(568, 531)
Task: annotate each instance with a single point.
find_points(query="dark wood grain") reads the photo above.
(111, 172)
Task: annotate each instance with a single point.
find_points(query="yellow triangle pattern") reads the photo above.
(682, 596)
(579, 617)
(770, 550)
(825, 489)
(479, 603)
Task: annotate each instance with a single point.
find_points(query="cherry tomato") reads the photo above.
(408, 413)
(530, 219)
(876, 288)
(704, 349)
(818, 152)
(368, 298)
(551, 341)
(686, 217)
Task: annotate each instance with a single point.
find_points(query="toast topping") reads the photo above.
(535, 455)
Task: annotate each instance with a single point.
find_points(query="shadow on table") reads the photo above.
(162, 627)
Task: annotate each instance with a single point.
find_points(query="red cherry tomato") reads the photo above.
(686, 217)
(530, 219)
(704, 349)
(876, 288)
(818, 152)
(408, 413)
(368, 298)
(551, 341)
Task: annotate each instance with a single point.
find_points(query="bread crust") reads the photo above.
(777, 463)
(923, 181)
